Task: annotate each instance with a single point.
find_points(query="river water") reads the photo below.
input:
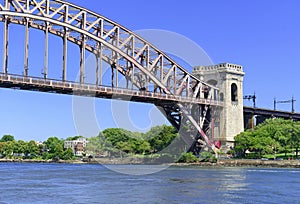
(72, 183)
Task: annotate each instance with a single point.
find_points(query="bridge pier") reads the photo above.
(261, 118)
(249, 121)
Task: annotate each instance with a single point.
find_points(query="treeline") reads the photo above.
(110, 142)
(273, 137)
(116, 141)
(52, 149)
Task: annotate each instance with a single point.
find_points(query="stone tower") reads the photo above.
(229, 79)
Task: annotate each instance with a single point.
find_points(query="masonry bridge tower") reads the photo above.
(229, 79)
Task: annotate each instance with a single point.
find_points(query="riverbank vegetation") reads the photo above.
(119, 142)
(51, 149)
(275, 138)
(112, 142)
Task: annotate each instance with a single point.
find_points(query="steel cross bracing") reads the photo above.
(145, 67)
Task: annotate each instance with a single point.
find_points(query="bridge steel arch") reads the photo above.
(151, 75)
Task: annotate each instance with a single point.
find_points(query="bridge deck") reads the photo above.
(74, 88)
(271, 113)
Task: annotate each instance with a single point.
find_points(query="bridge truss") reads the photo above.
(151, 76)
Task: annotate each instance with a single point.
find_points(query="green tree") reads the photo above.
(263, 145)
(19, 146)
(160, 137)
(98, 145)
(243, 143)
(7, 148)
(115, 135)
(7, 138)
(154, 140)
(54, 148)
(272, 136)
(295, 137)
(207, 157)
(126, 147)
(188, 157)
(142, 147)
(32, 149)
(67, 154)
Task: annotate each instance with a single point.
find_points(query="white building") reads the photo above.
(78, 146)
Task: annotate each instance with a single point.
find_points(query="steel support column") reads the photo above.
(113, 66)
(175, 80)
(65, 44)
(147, 80)
(99, 65)
(82, 49)
(82, 59)
(117, 77)
(99, 60)
(112, 69)
(117, 57)
(46, 51)
(132, 76)
(26, 46)
(5, 46)
(187, 87)
(97, 68)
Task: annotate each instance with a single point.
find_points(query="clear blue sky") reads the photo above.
(263, 36)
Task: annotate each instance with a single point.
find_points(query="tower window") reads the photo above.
(234, 92)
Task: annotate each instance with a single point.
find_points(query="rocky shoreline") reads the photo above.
(261, 163)
(247, 163)
(219, 163)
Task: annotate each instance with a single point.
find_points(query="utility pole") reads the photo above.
(292, 101)
(253, 97)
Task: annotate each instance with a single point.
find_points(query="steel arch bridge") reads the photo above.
(190, 105)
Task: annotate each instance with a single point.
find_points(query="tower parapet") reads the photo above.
(218, 67)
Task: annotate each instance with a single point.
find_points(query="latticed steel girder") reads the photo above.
(193, 122)
(143, 65)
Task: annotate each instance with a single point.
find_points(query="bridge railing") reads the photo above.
(13, 80)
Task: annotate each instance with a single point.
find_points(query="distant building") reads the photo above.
(39, 143)
(78, 146)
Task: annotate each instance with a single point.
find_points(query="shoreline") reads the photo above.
(219, 163)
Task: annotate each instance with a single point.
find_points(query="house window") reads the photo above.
(234, 92)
